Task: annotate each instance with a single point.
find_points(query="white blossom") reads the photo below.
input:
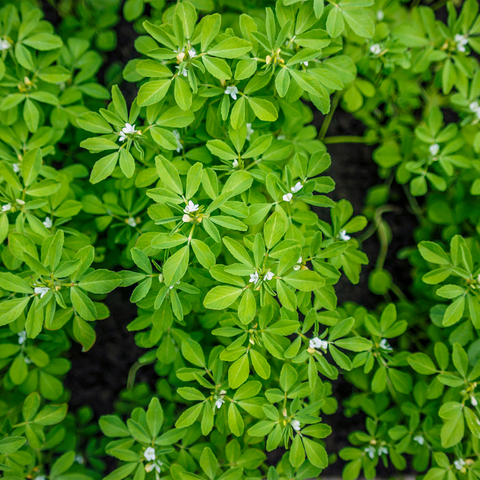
(268, 276)
(131, 221)
(16, 167)
(41, 291)
(22, 336)
(192, 53)
(184, 72)
(299, 264)
(384, 344)
(434, 148)
(6, 207)
(153, 466)
(250, 130)
(343, 236)
(305, 63)
(179, 143)
(297, 187)
(149, 454)
(318, 343)
(419, 439)
(380, 15)
(191, 207)
(461, 41)
(295, 425)
(474, 106)
(235, 164)
(127, 130)
(219, 402)
(40, 477)
(27, 360)
(4, 44)
(287, 197)
(20, 201)
(382, 451)
(370, 451)
(474, 401)
(281, 137)
(79, 459)
(254, 277)
(47, 222)
(460, 463)
(232, 91)
(186, 218)
(376, 49)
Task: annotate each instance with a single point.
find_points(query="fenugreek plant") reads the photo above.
(204, 199)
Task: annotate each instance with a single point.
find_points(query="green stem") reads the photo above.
(398, 292)
(328, 118)
(413, 204)
(345, 139)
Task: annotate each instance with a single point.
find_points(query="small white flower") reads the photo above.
(235, 163)
(343, 236)
(153, 466)
(299, 264)
(187, 218)
(40, 477)
(297, 187)
(305, 63)
(22, 336)
(460, 463)
(318, 343)
(20, 201)
(461, 41)
(370, 451)
(79, 459)
(219, 402)
(474, 401)
(295, 425)
(179, 143)
(380, 15)
(419, 439)
(191, 207)
(127, 130)
(382, 451)
(4, 44)
(254, 277)
(250, 130)
(16, 167)
(131, 221)
(192, 53)
(149, 454)
(474, 106)
(376, 49)
(41, 291)
(6, 207)
(268, 276)
(47, 222)
(185, 72)
(434, 148)
(232, 91)
(384, 344)
(281, 137)
(287, 197)
(27, 360)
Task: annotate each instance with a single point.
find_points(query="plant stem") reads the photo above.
(413, 204)
(344, 139)
(328, 118)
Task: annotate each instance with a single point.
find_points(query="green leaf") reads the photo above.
(220, 298)
(263, 109)
(304, 280)
(154, 417)
(192, 351)
(209, 463)
(100, 281)
(232, 47)
(238, 372)
(176, 266)
(104, 168)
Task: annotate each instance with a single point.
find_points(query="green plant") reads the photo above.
(205, 199)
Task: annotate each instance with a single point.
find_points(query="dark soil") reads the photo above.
(98, 376)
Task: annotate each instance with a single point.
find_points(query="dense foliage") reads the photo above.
(206, 198)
